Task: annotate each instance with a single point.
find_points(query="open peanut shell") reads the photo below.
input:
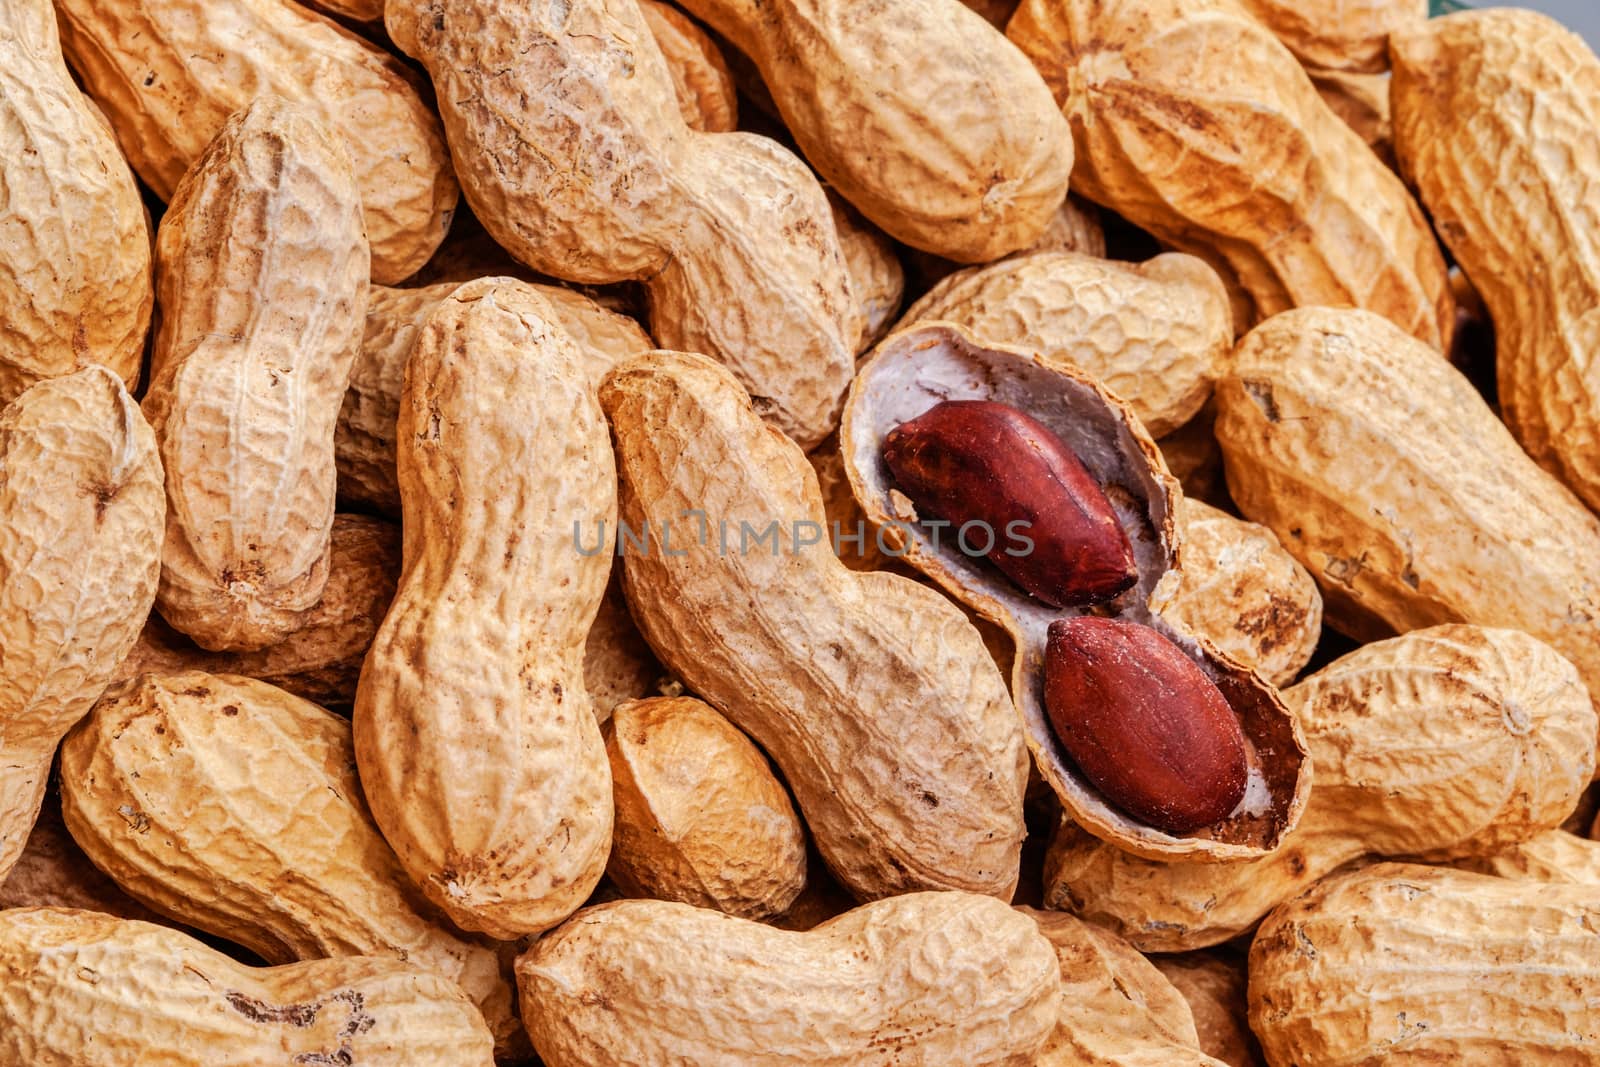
(916, 368)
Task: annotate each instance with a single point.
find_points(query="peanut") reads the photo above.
(571, 151)
(618, 665)
(1400, 964)
(706, 96)
(169, 74)
(192, 791)
(320, 661)
(1156, 334)
(1215, 990)
(262, 277)
(473, 692)
(81, 513)
(1195, 123)
(1455, 525)
(1244, 593)
(364, 440)
(1340, 35)
(1553, 856)
(1454, 741)
(1362, 101)
(914, 370)
(1509, 181)
(75, 261)
(877, 281)
(918, 980)
(874, 696)
(86, 988)
(861, 90)
(701, 819)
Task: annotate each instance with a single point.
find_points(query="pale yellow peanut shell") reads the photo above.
(77, 987)
(75, 262)
(1450, 741)
(1386, 475)
(169, 73)
(1362, 101)
(478, 747)
(261, 269)
(567, 138)
(53, 872)
(1216, 992)
(707, 99)
(1339, 35)
(922, 980)
(364, 439)
(1497, 123)
(919, 113)
(873, 695)
(1156, 334)
(1117, 1010)
(914, 369)
(81, 512)
(320, 661)
(1245, 594)
(1400, 965)
(1553, 856)
(233, 807)
(1194, 122)
(701, 818)
(877, 280)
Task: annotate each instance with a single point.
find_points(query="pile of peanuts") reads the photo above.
(798, 532)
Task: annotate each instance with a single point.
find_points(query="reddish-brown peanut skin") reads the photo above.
(991, 465)
(1142, 722)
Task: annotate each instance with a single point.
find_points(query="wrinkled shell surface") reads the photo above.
(1497, 122)
(914, 369)
(77, 988)
(1245, 594)
(874, 696)
(75, 243)
(233, 807)
(1451, 741)
(707, 99)
(701, 818)
(1553, 856)
(478, 746)
(568, 141)
(1157, 334)
(81, 513)
(921, 115)
(1455, 524)
(1194, 122)
(1450, 967)
(922, 980)
(1343, 35)
(262, 275)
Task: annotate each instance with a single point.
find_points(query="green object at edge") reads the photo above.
(1444, 7)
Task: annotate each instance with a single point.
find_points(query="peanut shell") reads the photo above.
(914, 369)
(1215, 990)
(705, 91)
(1362, 101)
(53, 872)
(1339, 35)
(877, 280)
(1553, 856)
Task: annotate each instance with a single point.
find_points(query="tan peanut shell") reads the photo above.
(701, 818)
(920, 114)
(1553, 856)
(1362, 101)
(1245, 594)
(618, 665)
(1339, 35)
(1216, 992)
(1400, 965)
(916, 368)
(320, 661)
(81, 513)
(874, 696)
(1454, 741)
(1156, 334)
(77, 987)
(877, 280)
(53, 872)
(1117, 1010)
(1455, 524)
(364, 440)
(234, 808)
(914, 981)
(168, 75)
(706, 95)
(1497, 123)
(570, 148)
(262, 275)
(473, 693)
(75, 263)
(1194, 457)
(1195, 123)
